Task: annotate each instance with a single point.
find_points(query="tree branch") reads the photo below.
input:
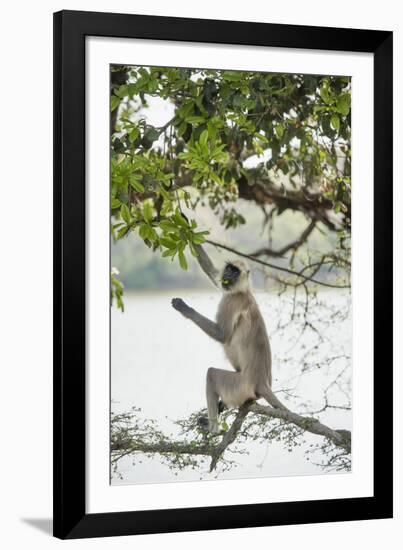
(314, 205)
(126, 445)
(230, 435)
(291, 246)
(300, 274)
(340, 438)
(160, 447)
(207, 265)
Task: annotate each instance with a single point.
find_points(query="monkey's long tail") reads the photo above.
(272, 399)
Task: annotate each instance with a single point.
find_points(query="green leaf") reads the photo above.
(169, 252)
(115, 203)
(263, 138)
(215, 178)
(137, 185)
(167, 225)
(115, 101)
(279, 129)
(182, 260)
(144, 231)
(164, 193)
(198, 238)
(122, 91)
(233, 76)
(204, 137)
(324, 94)
(193, 249)
(151, 135)
(182, 128)
(125, 213)
(148, 212)
(133, 135)
(343, 104)
(186, 109)
(123, 231)
(180, 220)
(168, 243)
(195, 119)
(335, 121)
(152, 234)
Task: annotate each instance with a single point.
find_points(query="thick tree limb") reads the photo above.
(230, 435)
(291, 246)
(314, 205)
(341, 438)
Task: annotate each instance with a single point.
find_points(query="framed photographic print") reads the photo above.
(223, 274)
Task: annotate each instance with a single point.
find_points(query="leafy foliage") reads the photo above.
(116, 289)
(279, 139)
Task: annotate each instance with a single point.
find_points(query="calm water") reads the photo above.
(160, 359)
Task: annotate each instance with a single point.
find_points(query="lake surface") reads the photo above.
(159, 362)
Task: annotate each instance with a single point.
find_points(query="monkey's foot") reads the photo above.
(203, 423)
(206, 426)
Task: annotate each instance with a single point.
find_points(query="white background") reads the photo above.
(26, 353)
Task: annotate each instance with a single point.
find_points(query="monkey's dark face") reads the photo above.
(230, 276)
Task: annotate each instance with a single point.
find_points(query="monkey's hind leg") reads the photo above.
(223, 388)
(213, 399)
(213, 402)
(203, 421)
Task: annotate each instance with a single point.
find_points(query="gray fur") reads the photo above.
(241, 329)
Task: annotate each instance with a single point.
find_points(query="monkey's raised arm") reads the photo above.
(207, 265)
(209, 327)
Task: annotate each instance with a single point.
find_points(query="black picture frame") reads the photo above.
(70, 517)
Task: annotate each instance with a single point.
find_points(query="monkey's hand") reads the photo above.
(179, 305)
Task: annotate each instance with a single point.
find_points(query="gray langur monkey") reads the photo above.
(240, 328)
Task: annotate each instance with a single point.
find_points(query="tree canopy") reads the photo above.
(281, 141)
